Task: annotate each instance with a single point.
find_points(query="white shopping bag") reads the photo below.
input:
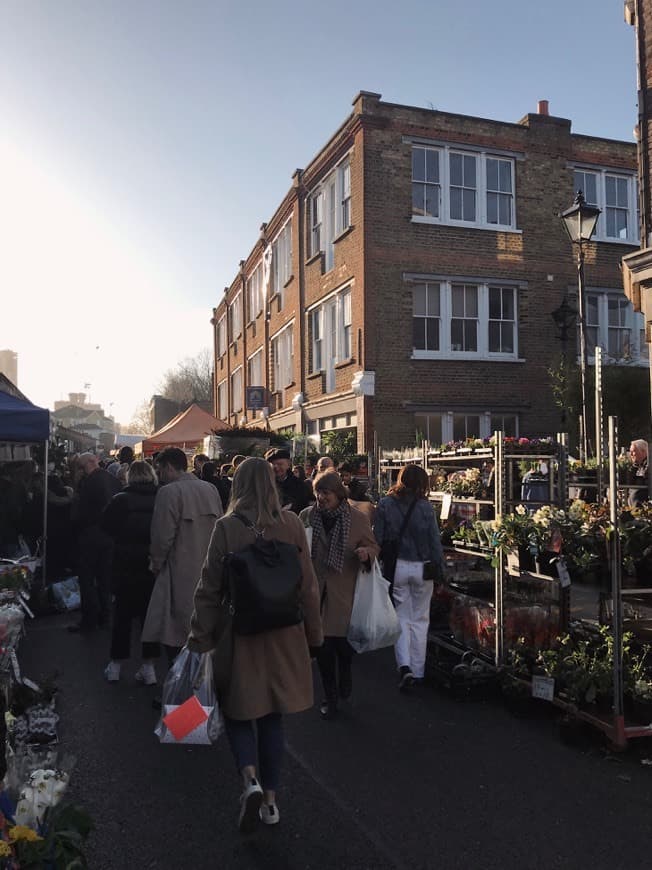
(374, 623)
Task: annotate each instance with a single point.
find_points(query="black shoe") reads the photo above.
(328, 709)
(345, 678)
(406, 679)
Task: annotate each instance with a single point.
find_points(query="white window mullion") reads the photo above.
(483, 320)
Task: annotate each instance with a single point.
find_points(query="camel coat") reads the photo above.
(337, 589)
(184, 515)
(268, 672)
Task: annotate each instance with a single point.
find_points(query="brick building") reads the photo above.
(405, 284)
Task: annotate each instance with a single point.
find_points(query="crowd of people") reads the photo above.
(152, 550)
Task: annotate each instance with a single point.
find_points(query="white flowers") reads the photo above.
(44, 789)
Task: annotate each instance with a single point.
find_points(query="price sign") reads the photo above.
(513, 565)
(562, 573)
(543, 687)
(446, 503)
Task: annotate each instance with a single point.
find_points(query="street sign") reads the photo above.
(255, 398)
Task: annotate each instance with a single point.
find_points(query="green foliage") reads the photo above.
(68, 827)
(341, 444)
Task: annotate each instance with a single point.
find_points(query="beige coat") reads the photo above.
(269, 672)
(337, 589)
(184, 515)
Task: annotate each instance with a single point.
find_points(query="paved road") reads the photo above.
(418, 781)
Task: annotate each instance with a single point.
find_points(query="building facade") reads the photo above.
(88, 418)
(405, 285)
(9, 365)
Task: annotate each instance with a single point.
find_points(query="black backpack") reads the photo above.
(262, 584)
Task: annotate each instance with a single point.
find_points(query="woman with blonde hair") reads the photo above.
(127, 519)
(406, 517)
(261, 676)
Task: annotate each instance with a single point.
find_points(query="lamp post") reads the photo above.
(580, 221)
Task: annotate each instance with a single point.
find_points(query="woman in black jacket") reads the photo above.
(127, 519)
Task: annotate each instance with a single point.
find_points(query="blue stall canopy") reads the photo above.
(19, 419)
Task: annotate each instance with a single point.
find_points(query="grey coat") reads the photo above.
(185, 512)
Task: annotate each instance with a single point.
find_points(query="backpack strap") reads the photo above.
(243, 519)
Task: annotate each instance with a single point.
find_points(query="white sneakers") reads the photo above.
(250, 801)
(146, 674)
(112, 672)
(269, 814)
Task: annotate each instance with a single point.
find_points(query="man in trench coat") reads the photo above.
(185, 512)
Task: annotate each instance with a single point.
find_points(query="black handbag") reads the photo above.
(262, 584)
(432, 571)
(389, 549)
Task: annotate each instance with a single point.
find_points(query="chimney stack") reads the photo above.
(542, 107)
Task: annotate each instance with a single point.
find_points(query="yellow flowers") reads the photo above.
(22, 832)
(5, 850)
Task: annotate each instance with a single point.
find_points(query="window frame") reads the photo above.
(223, 409)
(235, 392)
(634, 324)
(447, 423)
(330, 211)
(482, 190)
(343, 338)
(283, 363)
(236, 318)
(222, 335)
(281, 268)
(601, 174)
(255, 293)
(483, 287)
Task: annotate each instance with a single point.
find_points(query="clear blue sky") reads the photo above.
(143, 143)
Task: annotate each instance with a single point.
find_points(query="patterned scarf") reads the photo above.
(337, 538)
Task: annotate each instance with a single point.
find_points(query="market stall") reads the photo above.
(187, 431)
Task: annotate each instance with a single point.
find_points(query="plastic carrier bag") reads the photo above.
(190, 712)
(374, 623)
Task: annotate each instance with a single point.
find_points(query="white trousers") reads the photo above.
(412, 596)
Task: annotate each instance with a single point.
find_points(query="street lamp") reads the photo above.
(580, 221)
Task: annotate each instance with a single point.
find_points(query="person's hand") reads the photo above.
(363, 554)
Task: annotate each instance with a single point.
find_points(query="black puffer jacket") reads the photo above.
(128, 519)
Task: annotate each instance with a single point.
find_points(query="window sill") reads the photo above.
(465, 225)
(604, 241)
(343, 234)
(314, 375)
(289, 280)
(344, 363)
(314, 258)
(459, 356)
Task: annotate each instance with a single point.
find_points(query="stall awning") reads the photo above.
(22, 421)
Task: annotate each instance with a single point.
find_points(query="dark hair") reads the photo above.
(301, 472)
(173, 456)
(126, 454)
(346, 466)
(208, 470)
(200, 456)
(411, 480)
(331, 481)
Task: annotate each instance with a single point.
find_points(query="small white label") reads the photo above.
(543, 687)
(513, 565)
(446, 503)
(562, 573)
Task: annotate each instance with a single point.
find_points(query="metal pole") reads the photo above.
(499, 486)
(44, 545)
(580, 307)
(616, 598)
(598, 420)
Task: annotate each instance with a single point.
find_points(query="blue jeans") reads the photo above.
(264, 743)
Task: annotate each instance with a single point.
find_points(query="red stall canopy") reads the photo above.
(187, 430)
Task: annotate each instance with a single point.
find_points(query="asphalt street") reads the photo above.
(414, 781)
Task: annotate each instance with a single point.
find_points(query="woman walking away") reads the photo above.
(418, 544)
(342, 541)
(259, 676)
(127, 519)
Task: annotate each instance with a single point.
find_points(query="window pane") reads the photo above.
(492, 208)
(508, 304)
(495, 303)
(591, 309)
(469, 205)
(456, 204)
(505, 176)
(471, 335)
(469, 171)
(418, 203)
(432, 200)
(419, 300)
(457, 340)
(433, 300)
(471, 301)
(610, 189)
(505, 210)
(506, 337)
(492, 174)
(494, 336)
(418, 164)
(418, 333)
(457, 177)
(458, 300)
(622, 193)
(432, 165)
(432, 337)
